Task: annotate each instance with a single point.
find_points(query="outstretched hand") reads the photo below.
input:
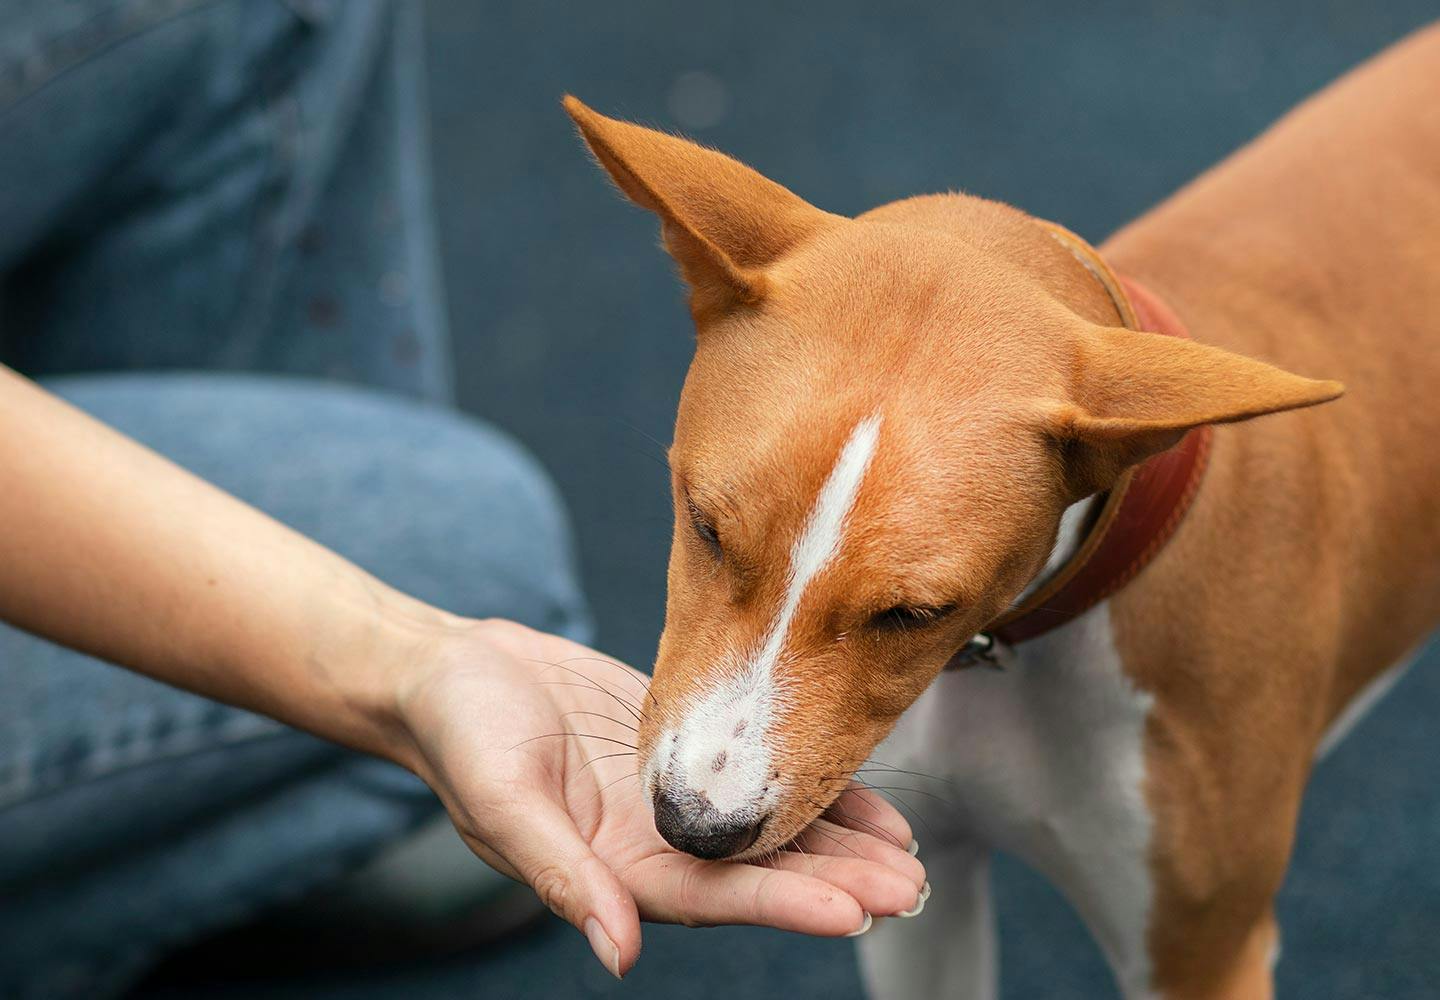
(529, 739)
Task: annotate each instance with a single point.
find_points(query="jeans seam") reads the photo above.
(28, 75)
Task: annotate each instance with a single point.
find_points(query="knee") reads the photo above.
(497, 537)
(470, 520)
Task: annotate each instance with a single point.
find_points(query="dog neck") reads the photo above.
(1075, 525)
(1105, 540)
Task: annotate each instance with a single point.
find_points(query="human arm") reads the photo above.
(102, 547)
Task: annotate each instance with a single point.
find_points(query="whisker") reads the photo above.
(604, 756)
(874, 828)
(553, 664)
(929, 830)
(588, 736)
(664, 456)
(561, 665)
(601, 790)
(901, 770)
(602, 715)
(653, 457)
(628, 793)
(812, 828)
(629, 674)
(917, 791)
(634, 713)
(607, 739)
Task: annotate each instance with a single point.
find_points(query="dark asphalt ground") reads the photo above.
(572, 334)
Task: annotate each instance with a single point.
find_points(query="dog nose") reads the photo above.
(688, 824)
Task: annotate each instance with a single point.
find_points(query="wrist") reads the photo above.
(438, 652)
(422, 645)
(388, 642)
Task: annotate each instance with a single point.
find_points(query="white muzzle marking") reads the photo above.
(720, 748)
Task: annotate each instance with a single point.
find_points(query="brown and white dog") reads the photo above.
(899, 426)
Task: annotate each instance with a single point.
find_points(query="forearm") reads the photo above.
(109, 548)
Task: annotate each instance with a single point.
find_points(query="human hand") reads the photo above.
(528, 739)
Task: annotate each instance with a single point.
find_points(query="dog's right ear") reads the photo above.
(723, 223)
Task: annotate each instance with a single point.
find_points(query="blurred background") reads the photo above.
(571, 332)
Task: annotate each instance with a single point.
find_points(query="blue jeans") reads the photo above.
(237, 186)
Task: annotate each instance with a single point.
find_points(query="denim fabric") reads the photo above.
(134, 817)
(233, 185)
(236, 185)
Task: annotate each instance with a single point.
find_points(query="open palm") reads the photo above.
(529, 741)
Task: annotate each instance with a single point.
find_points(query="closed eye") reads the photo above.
(704, 528)
(904, 617)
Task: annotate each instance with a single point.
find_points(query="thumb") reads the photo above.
(552, 857)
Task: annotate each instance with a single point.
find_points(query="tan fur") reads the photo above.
(1310, 561)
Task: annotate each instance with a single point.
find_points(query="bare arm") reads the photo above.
(109, 548)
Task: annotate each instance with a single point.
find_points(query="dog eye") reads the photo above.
(703, 527)
(905, 616)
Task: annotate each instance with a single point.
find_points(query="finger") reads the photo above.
(863, 809)
(676, 888)
(880, 890)
(825, 839)
(545, 848)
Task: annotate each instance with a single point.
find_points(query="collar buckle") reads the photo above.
(980, 651)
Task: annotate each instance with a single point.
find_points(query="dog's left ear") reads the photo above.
(1136, 394)
(723, 223)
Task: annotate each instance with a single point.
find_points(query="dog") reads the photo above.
(948, 477)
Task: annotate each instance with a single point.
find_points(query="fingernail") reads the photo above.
(915, 910)
(925, 890)
(602, 946)
(914, 848)
(869, 920)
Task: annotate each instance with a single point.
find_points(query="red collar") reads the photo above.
(1137, 516)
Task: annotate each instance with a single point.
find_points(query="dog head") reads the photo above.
(884, 420)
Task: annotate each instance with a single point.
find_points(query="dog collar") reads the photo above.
(1137, 516)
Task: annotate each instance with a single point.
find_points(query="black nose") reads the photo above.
(689, 824)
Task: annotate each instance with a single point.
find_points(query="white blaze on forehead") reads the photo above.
(819, 541)
(720, 746)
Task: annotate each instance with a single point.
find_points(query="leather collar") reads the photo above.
(1137, 515)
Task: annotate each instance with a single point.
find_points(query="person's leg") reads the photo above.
(134, 817)
(218, 184)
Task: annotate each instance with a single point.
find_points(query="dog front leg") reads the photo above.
(948, 951)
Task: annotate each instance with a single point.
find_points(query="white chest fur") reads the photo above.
(1046, 761)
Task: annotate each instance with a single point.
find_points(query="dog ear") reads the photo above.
(722, 222)
(1136, 394)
